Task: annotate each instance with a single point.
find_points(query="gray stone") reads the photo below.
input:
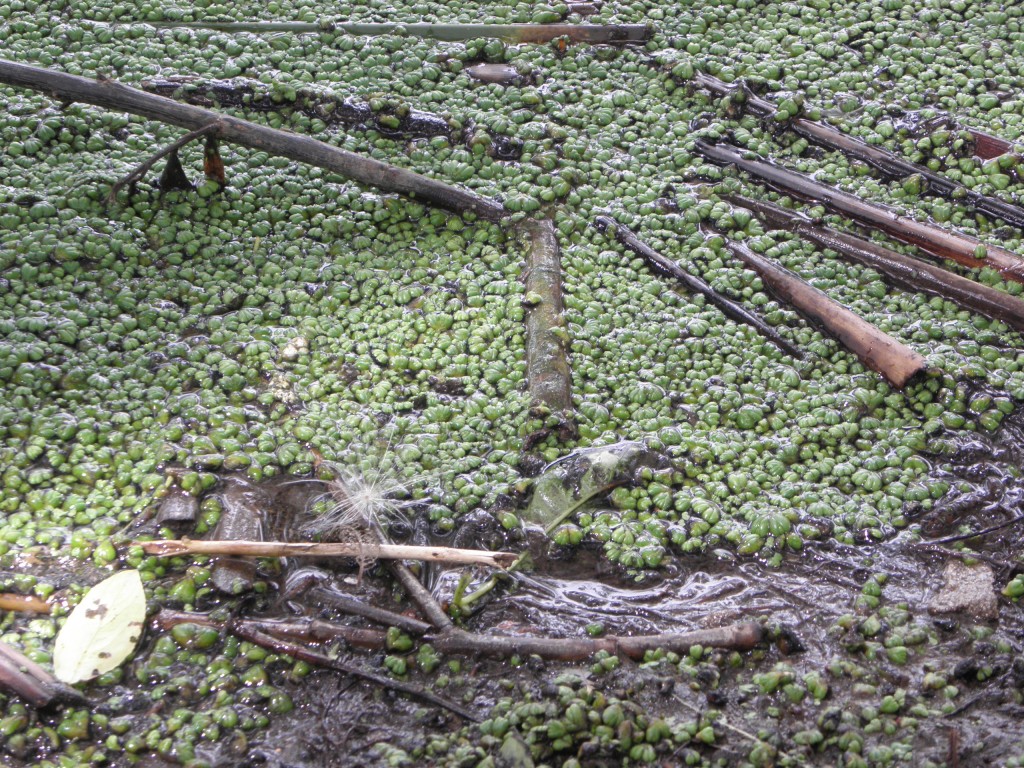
(968, 589)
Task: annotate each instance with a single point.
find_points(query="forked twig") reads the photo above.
(144, 167)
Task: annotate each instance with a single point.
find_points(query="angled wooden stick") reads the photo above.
(878, 351)
(175, 547)
(905, 271)
(662, 265)
(888, 163)
(122, 98)
(948, 245)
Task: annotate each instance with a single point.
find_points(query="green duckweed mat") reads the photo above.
(291, 317)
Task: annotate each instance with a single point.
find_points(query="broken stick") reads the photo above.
(905, 271)
(668, 268)
(547, 367)
(739, 637)
(116, 96)
(143, 168)
(889, 164)
(877, 350)
(175, 547)
(948, 245)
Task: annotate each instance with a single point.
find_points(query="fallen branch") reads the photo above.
(25, 678)
(144, 167)
(311, 630)
(547, 367)
(175, 547)
(23, 603)
(740, 637)
(877, 350)
(888, 163)
(256, 632)
(113, 95)
(668, 268)
(611, 34)
(903, 270)
(960, 248)
(355, 607)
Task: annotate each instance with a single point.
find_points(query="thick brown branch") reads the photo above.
(888, 163)
(948, 245)
(668, 268)
(878, 351)
(122, 98)
(903, 270)
(547, 367)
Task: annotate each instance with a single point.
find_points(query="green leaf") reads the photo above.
(103, 630)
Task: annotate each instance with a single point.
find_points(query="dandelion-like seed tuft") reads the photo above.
(355, 500)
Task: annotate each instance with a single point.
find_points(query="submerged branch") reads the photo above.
(905, 271)
(890, 164)
(174, 547)
(950, 245)
(668, 268)
(547, 366)
(25, 678)
(258, 632)
(611, 34)
(740, 637)
(113, 95)
(877, 350)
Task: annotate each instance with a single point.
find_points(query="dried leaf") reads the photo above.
(572, 481)
(103, 630)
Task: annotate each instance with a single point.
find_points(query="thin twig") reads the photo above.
(381, 616)
(144, 167)
(668, 268)
(176, 547)
(982, 532)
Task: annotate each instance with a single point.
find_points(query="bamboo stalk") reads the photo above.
(888, 163)
(950, 245)
(877, 350)
(668, 268)
(612, 34)
(116, 96)
(905, 271)
(176, 547)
